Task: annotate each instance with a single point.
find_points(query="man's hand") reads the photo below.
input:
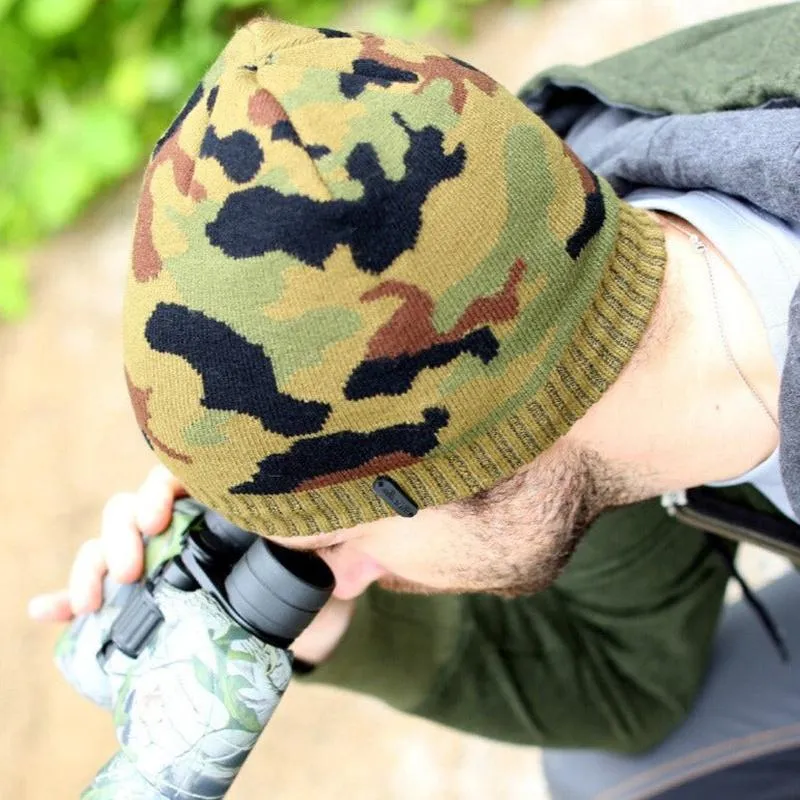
(119, 552)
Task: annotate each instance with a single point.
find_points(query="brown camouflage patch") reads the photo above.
(146, 259)
(432, 68)
(410, 329)
(376, 466)
(139, 400)
(500, 307)
(588, 180)
(263, 109)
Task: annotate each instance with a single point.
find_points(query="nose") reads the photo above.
(353, 570)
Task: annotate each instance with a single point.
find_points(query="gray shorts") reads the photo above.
(742, 739)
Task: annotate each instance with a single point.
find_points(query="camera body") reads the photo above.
(193, 660)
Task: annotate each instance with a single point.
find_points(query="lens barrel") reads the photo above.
(278, 591)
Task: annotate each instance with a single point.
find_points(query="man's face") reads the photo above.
(514, 547)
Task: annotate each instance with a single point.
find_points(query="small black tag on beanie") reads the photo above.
(390, 492)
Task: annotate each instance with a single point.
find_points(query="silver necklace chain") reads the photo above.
(701, 248)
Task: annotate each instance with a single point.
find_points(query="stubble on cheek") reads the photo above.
(520, 545)
(502, 562)
(393, 583)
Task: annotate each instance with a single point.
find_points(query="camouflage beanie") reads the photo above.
(356, 257)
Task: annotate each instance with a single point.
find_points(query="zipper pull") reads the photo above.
(671, 500)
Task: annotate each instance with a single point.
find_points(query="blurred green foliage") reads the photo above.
(87, 86)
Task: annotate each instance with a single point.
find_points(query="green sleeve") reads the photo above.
(611, 656)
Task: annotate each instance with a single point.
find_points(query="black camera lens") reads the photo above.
(278, 591)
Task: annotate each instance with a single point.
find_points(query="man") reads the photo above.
(378, 309)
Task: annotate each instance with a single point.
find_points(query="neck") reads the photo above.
(734, 420)
(709, 426)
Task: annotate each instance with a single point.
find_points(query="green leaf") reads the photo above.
(77, 152)
(164, 78)
(58, 182)
(5, 5)
(20, 69)
(200, 13)
(106, 138)
(52, 18)
(310, 12)
(127, 83)
(238, 3)
(428, 15)
(18, 226)
(87, 86)
(13, 286)
(205, 677)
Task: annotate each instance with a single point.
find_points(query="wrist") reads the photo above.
(319, 640)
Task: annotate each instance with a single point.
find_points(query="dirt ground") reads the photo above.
(69, 441)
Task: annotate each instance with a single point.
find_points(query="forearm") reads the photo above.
(396, 647)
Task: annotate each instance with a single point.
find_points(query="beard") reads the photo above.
(521, 535)
(537, 573)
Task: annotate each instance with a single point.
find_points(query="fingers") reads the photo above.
(85, 586)
(154, 500)
(121, 540)
(54, 607)
(119, 550)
